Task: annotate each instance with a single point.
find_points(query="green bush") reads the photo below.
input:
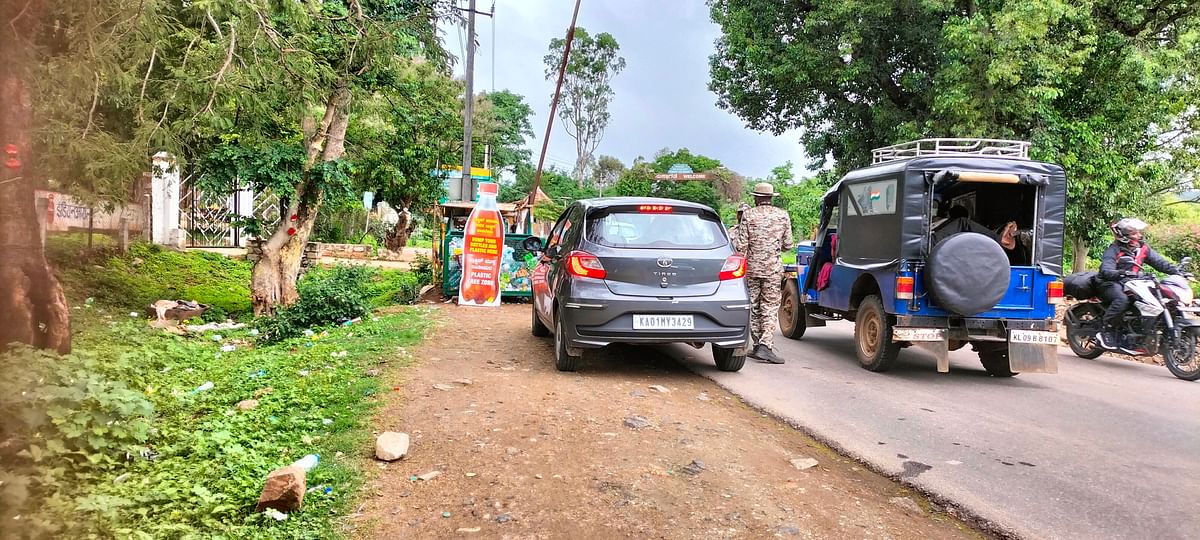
(326, 296)
(1176, 241)
(395, 287)
(67, 420)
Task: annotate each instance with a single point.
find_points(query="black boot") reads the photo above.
(768, 356)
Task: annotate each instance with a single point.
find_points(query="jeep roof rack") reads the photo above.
(951, 147)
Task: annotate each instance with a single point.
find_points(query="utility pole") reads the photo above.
(562, 70)
(468, 184)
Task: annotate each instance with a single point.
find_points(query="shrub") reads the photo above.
(325, 296)
(395, 287)
(67, 420)
(1176, 241)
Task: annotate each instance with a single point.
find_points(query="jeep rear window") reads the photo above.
(872, 198)
(682, 228)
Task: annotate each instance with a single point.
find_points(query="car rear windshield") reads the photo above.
(684, 228)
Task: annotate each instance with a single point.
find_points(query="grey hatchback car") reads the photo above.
(641, 271)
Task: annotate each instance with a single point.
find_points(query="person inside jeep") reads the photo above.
(958, 220)
(1123, 260)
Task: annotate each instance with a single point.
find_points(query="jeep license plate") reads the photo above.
(663, 322)
(1036, 337)
(918, 334)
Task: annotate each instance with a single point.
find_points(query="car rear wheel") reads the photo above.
(563, 360)
(873, 336)
(792, 318)
(538, 329)
(727, 359)
(994, 357)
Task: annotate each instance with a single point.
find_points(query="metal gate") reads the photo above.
(211, 220)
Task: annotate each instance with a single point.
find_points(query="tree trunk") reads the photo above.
(397, 238)
(273, 278)
(1079, 250)
(33, 308)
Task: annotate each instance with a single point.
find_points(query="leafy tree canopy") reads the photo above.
(1104, 87)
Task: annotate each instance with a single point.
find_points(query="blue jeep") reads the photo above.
(940, 243)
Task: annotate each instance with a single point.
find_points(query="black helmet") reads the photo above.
(1125, 227)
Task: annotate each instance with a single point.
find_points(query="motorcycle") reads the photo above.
(1164, 318)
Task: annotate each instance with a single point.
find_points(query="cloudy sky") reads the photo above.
(662, 97)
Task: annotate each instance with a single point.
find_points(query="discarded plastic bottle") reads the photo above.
(308, 462)
(208, 385)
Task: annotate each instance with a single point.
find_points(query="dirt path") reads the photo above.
(527, 452)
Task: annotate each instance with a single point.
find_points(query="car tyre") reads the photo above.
(537, 328)
(727, 359)
(994, 357)
(563, 360)
(792, 316)
(873, 336)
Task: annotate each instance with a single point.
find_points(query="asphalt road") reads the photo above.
(1106, 448)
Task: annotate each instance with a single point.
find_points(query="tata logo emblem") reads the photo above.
(665, 262)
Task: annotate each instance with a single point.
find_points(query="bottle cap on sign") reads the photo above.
(490, 188)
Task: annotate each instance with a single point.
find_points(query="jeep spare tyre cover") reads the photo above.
(967, 273)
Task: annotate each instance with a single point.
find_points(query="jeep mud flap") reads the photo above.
(933, 340)
(1032, 357)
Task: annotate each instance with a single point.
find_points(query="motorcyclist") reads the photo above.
(1123, 260)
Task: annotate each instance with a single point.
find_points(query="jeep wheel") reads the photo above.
(727, 359)
(873, 336)
(792, 318)
(994, 357)
(563, 360)
(538, 329)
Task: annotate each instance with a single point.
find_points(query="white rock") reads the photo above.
(804, 463)
(430, 475)
(660, 388)
(391, 446)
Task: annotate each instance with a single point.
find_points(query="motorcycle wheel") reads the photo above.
(1181, 357)
(1080, 336)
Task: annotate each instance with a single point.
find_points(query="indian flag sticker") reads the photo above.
(875, 195)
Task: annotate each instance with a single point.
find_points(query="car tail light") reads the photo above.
(904, 287)
(734, 268)
(584, 264)
(1054, 292)
(654, 209)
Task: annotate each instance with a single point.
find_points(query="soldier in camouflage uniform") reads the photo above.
(764, 231)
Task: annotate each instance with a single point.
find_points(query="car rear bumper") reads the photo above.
(722, 319)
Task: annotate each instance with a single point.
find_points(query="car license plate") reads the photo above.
(1036, 337)
(918, 334)
(663, 322)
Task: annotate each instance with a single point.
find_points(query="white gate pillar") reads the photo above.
(164, 201)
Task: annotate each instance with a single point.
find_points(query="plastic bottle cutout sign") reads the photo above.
(483, 242)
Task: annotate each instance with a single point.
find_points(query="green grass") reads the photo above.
(210, 459)
(114, 441)
(121, 281)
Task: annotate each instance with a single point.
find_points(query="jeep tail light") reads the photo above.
(734, 267)
(1054, 292)
(654, 209)
(584, 264)
(904, 287)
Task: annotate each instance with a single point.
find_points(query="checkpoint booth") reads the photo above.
(450, 219)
